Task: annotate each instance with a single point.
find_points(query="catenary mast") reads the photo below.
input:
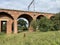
(32, 2)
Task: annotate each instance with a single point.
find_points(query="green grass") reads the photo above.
(32, 38)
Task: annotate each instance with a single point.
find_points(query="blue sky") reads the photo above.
(50, 6)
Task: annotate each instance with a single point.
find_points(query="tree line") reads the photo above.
(44, 24)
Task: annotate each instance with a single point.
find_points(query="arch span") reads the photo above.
(26, 16)
(52, 17)
(4, 14)
(7, 19)
(40, 16)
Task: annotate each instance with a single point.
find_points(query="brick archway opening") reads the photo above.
(52, 17)
(27, 17)
(5, 15)
(3, 26)
(6, 22)
(40, 16)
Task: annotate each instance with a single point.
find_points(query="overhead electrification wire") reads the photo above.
(32, 2)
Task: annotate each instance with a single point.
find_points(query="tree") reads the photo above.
(56, 21)
(22, 24)
(45, 24)
(34, 24)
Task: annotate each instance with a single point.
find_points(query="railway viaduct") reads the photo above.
(10, 16)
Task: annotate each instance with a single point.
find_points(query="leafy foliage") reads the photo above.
(22, 25)
(34, 24)
(45, 24)
(21, 22)
(56, 21)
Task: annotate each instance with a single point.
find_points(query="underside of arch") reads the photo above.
(26, 16)
(40, 16)
(52, 17)
(5, 15)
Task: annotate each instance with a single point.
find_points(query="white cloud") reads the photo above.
(51, 6)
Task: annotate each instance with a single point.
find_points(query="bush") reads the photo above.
(56, 21)
(34, 24)
(45, 24)
(22, 25)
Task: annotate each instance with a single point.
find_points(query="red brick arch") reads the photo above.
(40, 16)
(27, 16)
(52, 17)
(4, 14)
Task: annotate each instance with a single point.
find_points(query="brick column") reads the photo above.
(9, 27)
(30, 29)
(15, 26)
(0, 26)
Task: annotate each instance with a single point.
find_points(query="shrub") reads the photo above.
(56, 21)
(45, 24)
(34, 24)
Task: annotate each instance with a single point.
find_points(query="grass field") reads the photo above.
(32, 38)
